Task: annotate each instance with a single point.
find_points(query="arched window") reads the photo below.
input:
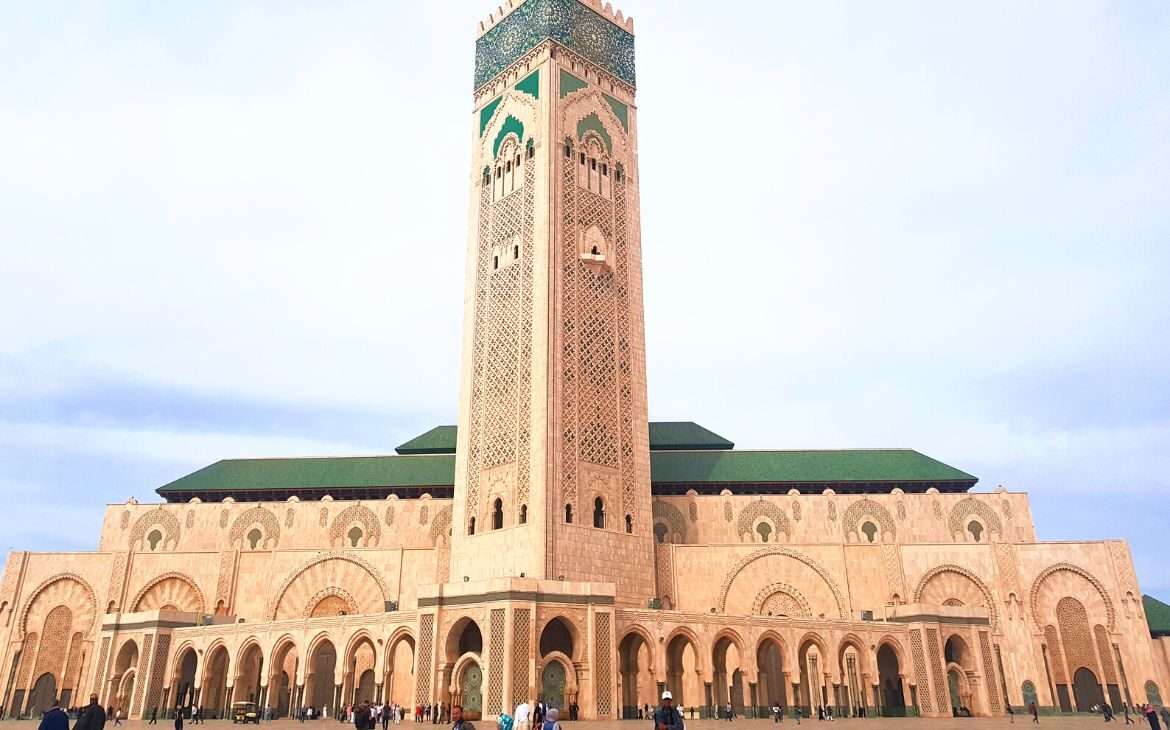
(870, 531)
(471, 526)
(765, 530)
(354, 535)
(568, 514)
(629, 524)
(497, 514)
(153, 539)
(254, 537)
(524, 514)
(976, 531)
(660, 532)
(598, 513)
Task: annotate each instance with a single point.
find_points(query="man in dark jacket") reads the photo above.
(55, 718)
(666, 717)
(93, 717)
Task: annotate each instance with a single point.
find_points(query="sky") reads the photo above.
(237, 229)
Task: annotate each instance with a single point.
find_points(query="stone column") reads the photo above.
(227, 707)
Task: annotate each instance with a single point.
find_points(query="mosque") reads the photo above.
(555, 543)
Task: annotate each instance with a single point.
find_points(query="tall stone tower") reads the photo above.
(553, 469)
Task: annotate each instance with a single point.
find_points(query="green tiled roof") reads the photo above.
(1157, 616)
(685, 436)
(854, 467)
(328, 473)
(801, 467)
(439, 440)
(666, 436)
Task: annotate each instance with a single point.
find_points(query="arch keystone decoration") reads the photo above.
(157, 517)
(157, 581)
(269, 526)
(89, 610)
(373, 574)
(1069, 567)
(989, 601)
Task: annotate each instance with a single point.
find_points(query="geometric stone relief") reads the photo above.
(920, 671)
(355, 517)
(227, 579)
(173, 591)
(956, 585)
(257, 516)
(762, 519)
(224, 518)
(892, 560)
(676, 524)
(364, 587)
(781, 599)
(970, 507)
(64, 589)
(797, 569)
(867, 511)
(168, 529)
(441, 526)
(1066, 580)
(117, 579)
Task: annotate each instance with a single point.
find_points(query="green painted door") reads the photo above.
(552, 685)
(473, 690)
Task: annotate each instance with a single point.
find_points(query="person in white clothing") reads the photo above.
(523, 716)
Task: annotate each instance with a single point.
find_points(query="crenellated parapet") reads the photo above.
(605, 10)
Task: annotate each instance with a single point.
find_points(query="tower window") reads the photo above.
(499, 173)
(515, 252)
(517, 159)
(508, 166)
(598, 513)
(531, 149)
(495, 262)
(604, 169)
(471, 526)
(568, 514)
(629, 524)
(568, 152)
(582, 158)
(524, 514)
(592, 164)
(497, 514)
(660, 532)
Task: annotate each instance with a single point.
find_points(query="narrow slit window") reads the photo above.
(515, 252)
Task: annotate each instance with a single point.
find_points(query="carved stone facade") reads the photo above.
(558, 569)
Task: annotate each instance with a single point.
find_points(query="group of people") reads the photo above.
(1146, 712)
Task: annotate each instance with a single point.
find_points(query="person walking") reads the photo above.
(1011, 714)
(1034, 712)
(179, 718)
(93, 717)
(1152, 717)
(55, 718)
(153, 716)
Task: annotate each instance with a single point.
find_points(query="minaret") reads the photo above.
(553, 470)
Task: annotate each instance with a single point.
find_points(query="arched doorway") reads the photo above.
(850, 698)
(249, 666)
(893, 699)
(359, 672)
(556, 637)
(552, 684)
(470, 690)
(958, 663)
(464, 676)
(727, 673)
(770, 662)
(637, 674)
(285, 661)
(813, 691)
(183, 682)
(400, 679)
(319, 682)
(1086, 690)
(122, 681)
(682, 672)
(44, 693)
(214, 697)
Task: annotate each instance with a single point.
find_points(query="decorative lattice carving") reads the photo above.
(173, 590)
(1059, 567)
(1056, 655)
(389, 515)
(901, 511)
(745, 526)
(361, 516)
(950, 582)
(895, 578)
(495, 684)
(1073, 621)
(832, 510)
(864, 510)
(936, 662)
(1123, 566)
(227, 579)
(224, 517)
(290, 517)
(920, 672)
(190, 518)
(157, 669)
(664, 564)
(603, 652)
(669, 515)
(27, 655)
(323, 517)
(441, 527)
(1006, 507)
(103, 659)
(426, 644)
(423, 514)
(257, 516)
(117, 581)
(72, 676)
(937, 508)
(521, 653)
(728, 511)
(693, 510)
(159, 518)
(140, 679)
(63, 589)
(989, 681)
(124, 522)
(1005, 566)
(796, 510)
(838, 596)
(781, 599)
(1105, 651)
(962, 513)
(331, 601)
(54, 640)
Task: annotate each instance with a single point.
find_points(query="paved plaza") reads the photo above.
(1059, 721)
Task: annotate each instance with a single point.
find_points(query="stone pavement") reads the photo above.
(1062, 722)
